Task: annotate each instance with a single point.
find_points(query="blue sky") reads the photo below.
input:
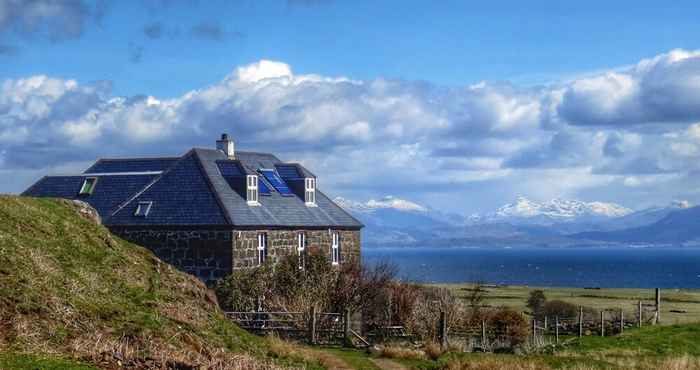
(594, 100)
(453, 43)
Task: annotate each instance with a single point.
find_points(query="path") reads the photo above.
(386, 364)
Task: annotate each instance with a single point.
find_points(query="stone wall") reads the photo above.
(213, 254)
(206, 254)
(283, 242)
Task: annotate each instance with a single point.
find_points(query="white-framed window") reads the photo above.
(310, 191)
(335, 248)
(88, 186)
(262, 248)
(252, 189)
(142, 209)
(301, 249)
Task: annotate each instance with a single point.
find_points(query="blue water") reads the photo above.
(571, 267)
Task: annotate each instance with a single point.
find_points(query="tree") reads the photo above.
(536, 301)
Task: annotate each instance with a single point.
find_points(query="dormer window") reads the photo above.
(252, 190)
(310, 191)
(88, 186)
(143, 208)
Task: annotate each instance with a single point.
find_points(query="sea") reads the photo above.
(612, 267)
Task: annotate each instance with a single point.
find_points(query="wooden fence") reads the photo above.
(314, 327)
(334, 328)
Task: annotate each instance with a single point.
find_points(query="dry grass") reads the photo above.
(401, 353)
(496, 363)
(433, 350)
(284, 349)
(68, 288)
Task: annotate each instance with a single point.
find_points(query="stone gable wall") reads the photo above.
(213, 254)
(206, 254)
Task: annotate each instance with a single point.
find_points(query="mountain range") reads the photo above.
(393, 221)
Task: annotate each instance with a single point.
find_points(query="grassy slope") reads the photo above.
(613, 298)
(69, 289)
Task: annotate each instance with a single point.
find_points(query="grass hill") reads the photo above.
(72, 293)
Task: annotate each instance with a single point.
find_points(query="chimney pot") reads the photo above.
(226, 145)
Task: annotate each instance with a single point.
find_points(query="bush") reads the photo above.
(510, 324)
(286, 287)
(560, 308)
(536, 301)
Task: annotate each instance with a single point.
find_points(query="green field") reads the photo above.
(615, 299)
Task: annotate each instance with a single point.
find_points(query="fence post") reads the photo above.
(657, 318)
(483, 334)
(556, 328)
(622, 321)
(312, 325)
(580, 321)
(442, 329)
(346, 327)
(639, 323)
(534, 332)
(602, 323)
(545, 323)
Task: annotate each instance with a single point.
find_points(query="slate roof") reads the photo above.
(191, 190)
(110, 191)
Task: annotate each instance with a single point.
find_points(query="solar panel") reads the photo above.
(277, 182)
(229, 168)
(288, 171)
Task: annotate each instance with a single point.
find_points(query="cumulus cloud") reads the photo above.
(664, 89)
(379, 136)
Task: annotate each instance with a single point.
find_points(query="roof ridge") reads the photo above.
(136, 158)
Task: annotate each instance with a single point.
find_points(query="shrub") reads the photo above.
(510, 324)
(559, 308)
(285, 287)
(433, 350)
(536, 301)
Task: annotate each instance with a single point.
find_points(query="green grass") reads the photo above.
(607, 298)
(651, 340)
(358, 359)
(645, 349)
(27, 362)
(68, 284)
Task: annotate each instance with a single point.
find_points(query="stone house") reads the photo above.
(211, 211)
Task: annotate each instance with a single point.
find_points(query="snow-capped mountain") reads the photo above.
(384, 203)
(644, 217)
(526, 211)
(558, 222)
(391, 220)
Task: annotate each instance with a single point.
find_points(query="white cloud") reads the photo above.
(386, 136)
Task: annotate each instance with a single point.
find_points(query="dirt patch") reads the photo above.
(386, 364)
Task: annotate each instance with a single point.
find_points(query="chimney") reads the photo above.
(226, 145)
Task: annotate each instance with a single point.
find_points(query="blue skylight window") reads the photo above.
(276, 181)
